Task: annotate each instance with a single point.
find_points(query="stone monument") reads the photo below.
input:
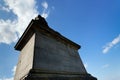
(47, 55)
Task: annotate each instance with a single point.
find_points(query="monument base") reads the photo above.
(33, 75)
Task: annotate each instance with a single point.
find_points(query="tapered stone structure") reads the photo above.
(47, 55)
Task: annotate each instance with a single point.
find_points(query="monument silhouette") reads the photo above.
(47, 55)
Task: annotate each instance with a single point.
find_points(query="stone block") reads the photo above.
(47, 55)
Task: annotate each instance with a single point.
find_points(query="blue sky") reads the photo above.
(94, 24)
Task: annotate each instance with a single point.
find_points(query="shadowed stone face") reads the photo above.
(55, 56)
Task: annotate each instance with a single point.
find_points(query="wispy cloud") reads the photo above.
(4, 8)
(44, 4)
(46, 11)
(13, 70)
(11, 30)
(107, 47)
(105, 66)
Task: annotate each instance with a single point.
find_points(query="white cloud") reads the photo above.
(45, 12)
(111, 44)
(7, 32)
(13, 70)
(25, 10)
(45, 4)
(4, 8)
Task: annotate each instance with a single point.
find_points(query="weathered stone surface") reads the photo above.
(47, 55)
(25, 62)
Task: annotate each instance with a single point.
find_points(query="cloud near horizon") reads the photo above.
(11, 30)
(111, 44)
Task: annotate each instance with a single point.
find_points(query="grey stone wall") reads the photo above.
(52, 55)
(25, 61)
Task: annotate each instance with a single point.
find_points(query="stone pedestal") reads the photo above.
(35, 75)
(47, 55)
